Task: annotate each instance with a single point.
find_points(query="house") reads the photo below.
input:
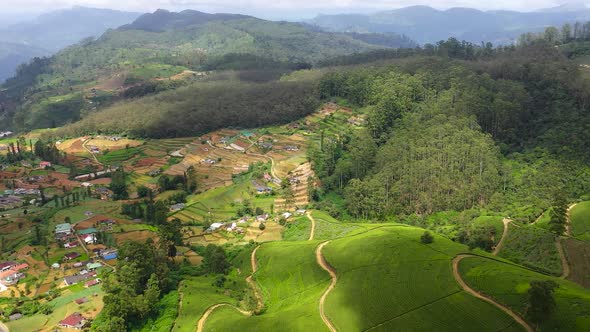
(74, 321)
(6, 266)
(267, 177)
(300, 212)
(72, 255)
(44, 164)
(237, 147)
(260, 189)
(266, 145)
(89, 239)
(55, 266)
(286, 215)
(13, 279)
(232, 227)
(209, 161)
(92, 283)
(63, 229)
(291, 148)
(110, 256)
(94, 150)
(93, 266)
(86, 184)
(71, 245)
(154, 172)
(88, 231)
(215, 226)
(72, 280)
(263, 217)
(177, 207)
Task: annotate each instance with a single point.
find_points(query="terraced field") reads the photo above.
(399, 284)
(580, 221)
(508, 284)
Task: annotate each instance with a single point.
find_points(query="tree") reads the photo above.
(142, 191)
(215, 260)
(541, 300)
(426, 238)
(558, 221)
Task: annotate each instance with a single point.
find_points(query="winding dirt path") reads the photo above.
(252, 283)
(312, 232)
(201, 324)
(259, 304)
(480, 296)
(558, 243)
(326, 266)
(3, 328)
(504, 234)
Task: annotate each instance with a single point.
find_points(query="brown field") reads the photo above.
(73, 146)
(303, 173)
(272, 232)
(578, 255)
(112, 83)
(137, 236)
(106, 144)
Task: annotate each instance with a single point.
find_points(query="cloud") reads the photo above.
(269, 6)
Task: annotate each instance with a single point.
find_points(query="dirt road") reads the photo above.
(312, 232)
(471, 291)
(259, 304)
(504, 234)
(324, 264)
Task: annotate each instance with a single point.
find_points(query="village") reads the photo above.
(250, 185)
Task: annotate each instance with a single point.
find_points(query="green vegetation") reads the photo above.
(533, 247)
(580, 221)
(509, 284)
(420, 292)
(291, 283)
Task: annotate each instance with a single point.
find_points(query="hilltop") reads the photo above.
(51, 32)
(166, 48)
(428, 25)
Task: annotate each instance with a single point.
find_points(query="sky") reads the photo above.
(286, 9)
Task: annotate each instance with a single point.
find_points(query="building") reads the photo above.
(74, 321)
(215, 226)
(93, 266)
(72, 255)
(92, 283)
(44, 164)
(71, 245)
(6, 266)
(63, 229)
(177, 207)
(286, 215)
(81, 301)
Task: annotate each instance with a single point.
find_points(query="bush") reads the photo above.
(426, 238)
(262, 226)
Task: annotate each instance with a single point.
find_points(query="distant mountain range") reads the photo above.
(428, 25)
(49, 33)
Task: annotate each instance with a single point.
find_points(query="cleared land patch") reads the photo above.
(580, 221)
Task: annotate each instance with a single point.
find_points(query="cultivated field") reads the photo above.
(399, 284)
(508, 284)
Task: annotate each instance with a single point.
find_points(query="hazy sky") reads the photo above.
(271, 8)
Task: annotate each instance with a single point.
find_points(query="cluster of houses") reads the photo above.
(65, 233)
(10, 202)
(11, 273)
(261, 189)
(22, 192)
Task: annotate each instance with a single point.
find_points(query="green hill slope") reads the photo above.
(387, 280)
(163, 45)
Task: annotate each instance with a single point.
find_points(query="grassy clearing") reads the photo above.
(580, 221)
(197, 296)
(399, 284)
(329, 228)
(291, 283)
(508, 284)
(533, 247)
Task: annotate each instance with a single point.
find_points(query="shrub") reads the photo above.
(426, 238)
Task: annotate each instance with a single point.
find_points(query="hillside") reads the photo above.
(178, 46)
(51, 32)
(428, 25)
